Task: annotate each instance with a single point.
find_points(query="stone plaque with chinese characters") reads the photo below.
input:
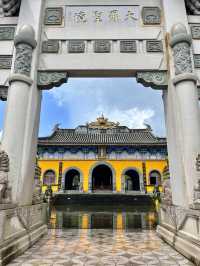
(99, 15)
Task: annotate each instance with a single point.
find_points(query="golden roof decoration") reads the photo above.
(103, 123)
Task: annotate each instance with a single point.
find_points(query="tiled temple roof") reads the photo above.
(117, 135)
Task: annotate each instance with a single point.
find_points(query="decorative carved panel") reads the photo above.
(102, 46)
(151, 15)
(182, 58)
(154, 46)
(23, 59)
(5, 61)
(197, 60)
(156, 80)
(7, 33)
(48, 80)
(76, 46)
(128, 46)
(195, 31)
(50, 46)
(53, 16)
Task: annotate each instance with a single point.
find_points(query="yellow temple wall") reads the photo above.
(85, 166)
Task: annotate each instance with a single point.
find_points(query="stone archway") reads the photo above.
(72, 179)
(155, 178)
(131, 180)
(105, 182)
(102, 178)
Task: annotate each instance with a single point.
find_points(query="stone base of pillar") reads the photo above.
(179, 227)
(20, 228)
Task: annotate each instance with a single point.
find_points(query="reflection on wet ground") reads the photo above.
(102, 217)
(101, 235)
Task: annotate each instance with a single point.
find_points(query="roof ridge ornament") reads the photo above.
(102, 123)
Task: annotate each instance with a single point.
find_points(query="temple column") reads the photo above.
(185, 86)
(18, 100)
(182, 114)
(23, 106)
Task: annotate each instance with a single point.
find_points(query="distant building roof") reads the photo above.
(102, 132)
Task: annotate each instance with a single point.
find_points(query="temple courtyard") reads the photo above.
(100, 247)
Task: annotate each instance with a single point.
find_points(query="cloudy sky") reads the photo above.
(82, 100)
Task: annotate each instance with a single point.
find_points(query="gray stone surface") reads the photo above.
(53, 16)
(76, 46)
(5, 61)
(50, 46)
(154, 46)
(102, 46)
(128, 46)
(7, 33)
(195, 31)
(197, 60)
(151, 15)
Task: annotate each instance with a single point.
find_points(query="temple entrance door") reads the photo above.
(102, 178)
(132, 180)
(72, 180)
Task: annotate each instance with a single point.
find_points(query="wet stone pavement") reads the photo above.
(100, 247)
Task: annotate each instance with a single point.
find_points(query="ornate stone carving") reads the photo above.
(193, 7)
(11, 7)
(3, 93)
(180, 43)
(166, 196)
(76, 46)
(5, 190)
(195, 31)
(23, 59)
(182, 58)
(156, 80)
(48, 80)
(151, 15)
(24, 44)
(102, 46)
(50, 46)
(128, 46)
(5, 61)
(197, 60)
(7, 33)
(154, 46)
(53, 16)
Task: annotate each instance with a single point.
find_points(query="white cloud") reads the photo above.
(123, 100)
(132, 118)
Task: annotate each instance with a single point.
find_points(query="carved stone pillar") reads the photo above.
(14, 134)
(187, 108)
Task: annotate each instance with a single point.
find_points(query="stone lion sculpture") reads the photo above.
(5, 190)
